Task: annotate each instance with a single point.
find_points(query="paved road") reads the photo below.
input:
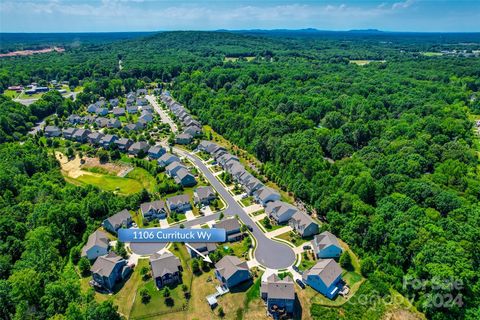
(269, 253)
(152, 247)
(162, 113)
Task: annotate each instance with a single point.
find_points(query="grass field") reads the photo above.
(365, 62)
(144, 177)
(112, 183)
(432, 54)
(247, 201)
(10, 93)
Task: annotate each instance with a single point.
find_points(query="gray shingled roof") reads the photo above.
(165, 263)
(156, 205)
(119, 218)
(228, 224)
(277, 288)
(264, 192)
(327, 269)
(104, 264)
(326, 239)
(98, 238)
(205, 192)
(180, 199)
(302, 219)
(228, 265)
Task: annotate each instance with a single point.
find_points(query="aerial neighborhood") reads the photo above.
(211, 188)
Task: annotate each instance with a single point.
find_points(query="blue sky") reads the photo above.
(153, 15)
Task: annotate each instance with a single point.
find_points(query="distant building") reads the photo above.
(118, 112)
(183, 138)
(326, 245)
(52, 131)
(166, 269)
(108, 270)
(81, 135)
(117, 221)
(167, 159)
(325, 277)
(95, 137)
(231, 271)
(138, 147)
(173, 168)
(156, 152)
(185, 178)
(123, 144)
(68, 133)
(280, 211)
(279, 296)
(108, 140)
(97, 245)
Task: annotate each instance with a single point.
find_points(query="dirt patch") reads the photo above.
(75, 168)
(401, 314)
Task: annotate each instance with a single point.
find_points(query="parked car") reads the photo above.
(307, 247)
(300, 283)
(296, 268)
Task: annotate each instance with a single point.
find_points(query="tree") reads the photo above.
(84, 266)
(221, 313)
(102, 155)
(266, 223)
(145, 296)
(367, 266)
(346, 260)
(120, 249)
(221, 216)
(195, 266)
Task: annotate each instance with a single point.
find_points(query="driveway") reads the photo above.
(269, 253)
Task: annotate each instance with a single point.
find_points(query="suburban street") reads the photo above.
(163, 115)
(269, 253)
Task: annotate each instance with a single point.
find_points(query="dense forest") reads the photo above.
(385, 153)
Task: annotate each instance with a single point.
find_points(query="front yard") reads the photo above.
(294, 238)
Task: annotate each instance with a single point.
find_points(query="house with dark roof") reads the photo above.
(183, 138)
(141, 101)
(108, 140)
(232, 228)
(101, 122)
(97, 245)
(202, 247)
(156, 152)
(68, 133)
(133, 127)
(114, 123)
(303, 224)
(325, 277)
(138, 147)
(108, 270)
(326, 245)
(279, 296)
(280, 211)
(95, 137)
(52, 131)
(226, 158)
(117, 112)
(113, 102)
(88, 119)
(180, 203)
(251, 184)
(74, 119)
(265, 195)
(123, 143)
(204, 195)
(173, 168)
(92, 108)
(185, 178)
(167, 159)
(141, 92)
(146, 117)
(132, 109)
(154, 210)
(122, 219)
(193, 130)
(148, 108)
(81, 135)
(101, 111)
(231, 271)
(166, 269)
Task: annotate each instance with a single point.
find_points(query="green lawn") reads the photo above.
(10, 93)
(111, 183)
(248, 201)
(292, 237)
(239, 248)
(146, 179)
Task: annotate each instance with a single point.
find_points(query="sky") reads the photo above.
(160, 15)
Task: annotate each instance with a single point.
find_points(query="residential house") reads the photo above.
(303, 224)
(325, 277)
(202, 247)
(141, 101)
(74, 119)
(95, 137)
(146, 117)
(173, 168)
(232, 228)
(326, 245)
(92, 108)
(117, 221)
(133, 127)
(123, 143)
(68, 133)
(180, 203)
(156, 152)
(193, 131)
(280, 211)
(88, 119)
(101, 122)
(185, 178)
(101, 111)
(167, 159)
(114, 102)
(132, 109)
(139, 147)
(118, 112)
(141, 92)
(251, 184)
(279, 295)
(148, 108)
(52, 131)
(96, 246)
(204, 195)
(265, 195)
(81, 135)
(108, 270)
(166, 269)
(154, 210)
(114, 123)
(231, 271)
(108, 140)
(183, 138)
(226, 158)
